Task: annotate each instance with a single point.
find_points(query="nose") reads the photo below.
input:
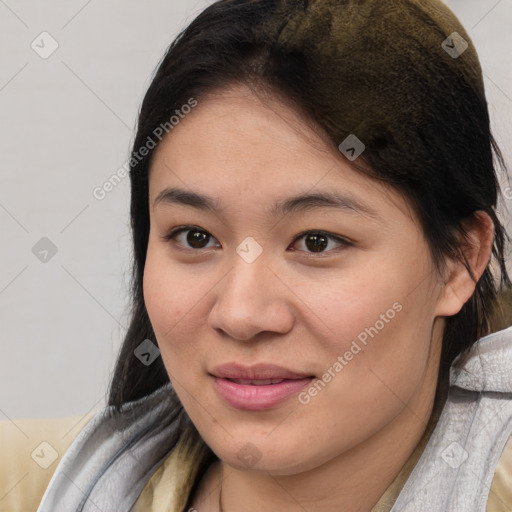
(252, 298)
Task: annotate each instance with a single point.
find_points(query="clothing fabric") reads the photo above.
(456, 471)
(113, 467)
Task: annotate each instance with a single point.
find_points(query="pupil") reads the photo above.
(192, 239)
(318, 242)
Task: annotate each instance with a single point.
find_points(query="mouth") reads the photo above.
(259, 387)
(257, 382)
(257, 374)
(259, 395)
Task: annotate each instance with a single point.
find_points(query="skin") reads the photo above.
(296, 308)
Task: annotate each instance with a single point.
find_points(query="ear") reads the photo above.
(477, 248)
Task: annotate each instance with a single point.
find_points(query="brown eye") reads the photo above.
(318, 241)
(195, 238)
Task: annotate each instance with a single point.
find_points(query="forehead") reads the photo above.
(235, 146)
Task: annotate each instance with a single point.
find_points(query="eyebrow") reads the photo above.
(294, 204)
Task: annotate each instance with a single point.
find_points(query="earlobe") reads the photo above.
(477, 247)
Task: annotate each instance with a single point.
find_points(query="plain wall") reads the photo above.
(67, 122)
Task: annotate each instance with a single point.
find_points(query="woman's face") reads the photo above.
(350, 313)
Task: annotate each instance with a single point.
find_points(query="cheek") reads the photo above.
(376, 326)
(169, 293)
(356, 309)
(176, 303)
(164, 297)
(158, 292)
(375, 365)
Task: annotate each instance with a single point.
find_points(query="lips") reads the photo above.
(257, 387)
(257, 374)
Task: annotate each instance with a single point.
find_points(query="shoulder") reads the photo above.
(489, 367)
(467, 461)
(117, 449)
(488, 371)
(31, 451)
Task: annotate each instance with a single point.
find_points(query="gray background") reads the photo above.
(67, 122)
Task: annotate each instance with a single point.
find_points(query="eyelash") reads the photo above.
(180, 229)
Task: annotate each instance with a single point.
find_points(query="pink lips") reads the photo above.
(257, 387)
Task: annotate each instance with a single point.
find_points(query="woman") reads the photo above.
(316, 273)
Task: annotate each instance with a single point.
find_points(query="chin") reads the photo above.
(260, 455)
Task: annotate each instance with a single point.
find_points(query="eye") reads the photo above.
(317, 241)
(196, 238)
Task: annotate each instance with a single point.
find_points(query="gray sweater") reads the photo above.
(106, 466)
